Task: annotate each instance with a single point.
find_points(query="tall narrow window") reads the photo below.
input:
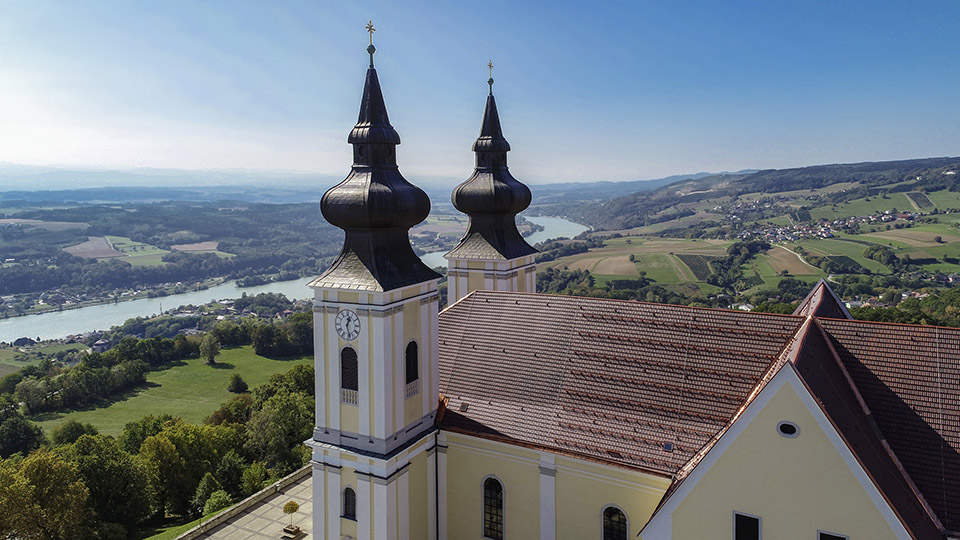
(745, 527)
(614, 524)
(492, 509)
(413, 369)
(348, 376)
(349, 504)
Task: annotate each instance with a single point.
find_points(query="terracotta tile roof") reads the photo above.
(909, 377)
(610, 380)
(822, 302)
(828, 380)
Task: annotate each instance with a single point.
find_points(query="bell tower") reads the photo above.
(375, 334)
(492, 255)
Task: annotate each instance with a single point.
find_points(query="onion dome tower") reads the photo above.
(375, 206)
(375, 341)
(492, 254)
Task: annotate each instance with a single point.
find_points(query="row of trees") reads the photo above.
(85, 485)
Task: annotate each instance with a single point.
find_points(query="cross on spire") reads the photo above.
(371, 49)
(490, 80)
(370, 30)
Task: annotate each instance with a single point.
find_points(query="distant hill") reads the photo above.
(870, 178)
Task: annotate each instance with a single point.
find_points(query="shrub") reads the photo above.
(218, 500)
(237, 384)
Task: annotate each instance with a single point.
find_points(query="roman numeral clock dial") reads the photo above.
(348, 325)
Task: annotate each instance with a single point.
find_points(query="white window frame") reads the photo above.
(733, 524)
(618, 507)
(483, 508)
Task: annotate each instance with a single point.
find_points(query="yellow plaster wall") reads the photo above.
(796, 486)
(519, 473)
(584, 489)
(349, 418)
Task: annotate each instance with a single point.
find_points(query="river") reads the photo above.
(553, 227)
(57, 324)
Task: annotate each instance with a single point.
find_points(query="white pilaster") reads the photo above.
(333, 502)
(333, 372)
(382, 375)
(399, 364)
(380, 531)
(371, 339)
(403, 505)
(442, 487)
(320, 378)
(426, 358)
(431, 501)
(319, 498)
(433, 345)
(548, 497)
(392, 502)
(363, 507)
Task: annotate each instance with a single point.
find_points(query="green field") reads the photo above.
(863, 207)
(9, 365)
(190, 389)
(137, 253)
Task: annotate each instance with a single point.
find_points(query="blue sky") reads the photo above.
(587, 90)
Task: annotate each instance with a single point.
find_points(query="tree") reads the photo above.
(134, 433)
(19, 435)
(166, 472)
(254, 477)
(237, 384)
(276, 429)
(70, 431)
(938, 239)
(209, 347)
(117, 481)
(219, 500)
(208, 485)
(57, 506)
(290, 509)
(230, 472)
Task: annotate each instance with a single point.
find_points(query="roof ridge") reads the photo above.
(622, 301)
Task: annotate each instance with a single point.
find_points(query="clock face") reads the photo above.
(348, 325)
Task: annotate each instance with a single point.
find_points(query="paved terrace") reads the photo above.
(261, 516)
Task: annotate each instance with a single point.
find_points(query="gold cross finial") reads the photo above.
(490, 67)
(370, 29)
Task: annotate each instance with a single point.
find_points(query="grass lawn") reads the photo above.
(169, 532)
(137, 253)
(9, 365)
(190, 389)
(833, 246)
(863, 207)
(152, 259)
(945, 199)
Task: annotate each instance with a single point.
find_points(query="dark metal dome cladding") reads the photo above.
(492, 197)
(375, 205)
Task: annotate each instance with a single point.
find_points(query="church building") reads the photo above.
(512, 415)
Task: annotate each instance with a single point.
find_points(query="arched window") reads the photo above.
(492, 509)
(614, 524)
(348, 376)
(349, 504)
(413, 362)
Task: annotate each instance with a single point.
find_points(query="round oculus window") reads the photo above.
(788, 429)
